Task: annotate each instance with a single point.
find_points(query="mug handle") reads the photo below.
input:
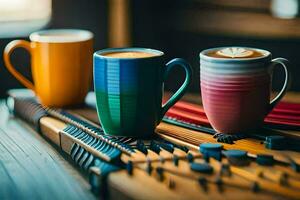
(287, 82)
(10, 47)
(180, 92)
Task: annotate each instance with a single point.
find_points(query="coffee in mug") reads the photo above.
(129, 54)
(129, 84)
(61, 61)
(236, 85)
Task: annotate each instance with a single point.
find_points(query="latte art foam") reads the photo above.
(235, 52)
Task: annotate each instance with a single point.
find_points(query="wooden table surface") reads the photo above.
(31, 168)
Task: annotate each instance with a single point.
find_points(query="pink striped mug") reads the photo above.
(235, 87)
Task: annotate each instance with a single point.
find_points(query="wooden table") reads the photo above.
(30, 168)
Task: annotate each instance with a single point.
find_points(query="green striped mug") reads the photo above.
(129, 84)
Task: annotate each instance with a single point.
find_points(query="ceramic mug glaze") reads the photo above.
(236, 91)
(129, 90)
(61, 62)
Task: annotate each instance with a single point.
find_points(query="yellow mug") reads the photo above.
(61, 62)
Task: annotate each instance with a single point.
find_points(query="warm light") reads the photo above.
(21, 17)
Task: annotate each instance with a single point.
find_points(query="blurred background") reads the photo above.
(180, 28)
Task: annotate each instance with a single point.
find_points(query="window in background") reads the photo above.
(18, 18)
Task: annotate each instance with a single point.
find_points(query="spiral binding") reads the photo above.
(29, 110)
(80, 155)
(85, 158)
(121, 143)
(220, 137)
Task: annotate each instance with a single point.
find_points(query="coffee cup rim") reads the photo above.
(266, 55)
(83, 35)
(122, 49)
